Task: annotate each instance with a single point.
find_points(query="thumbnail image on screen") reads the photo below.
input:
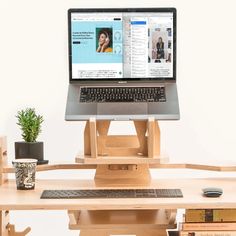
(104, 40)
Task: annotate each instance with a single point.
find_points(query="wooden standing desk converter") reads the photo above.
(106, 217)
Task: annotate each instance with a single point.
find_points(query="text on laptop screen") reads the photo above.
(113, 45)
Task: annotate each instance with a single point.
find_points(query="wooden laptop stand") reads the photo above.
(122, 159)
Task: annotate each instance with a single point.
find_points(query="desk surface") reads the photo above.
(12, 199)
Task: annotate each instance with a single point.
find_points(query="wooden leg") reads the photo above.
(93, 137)
(102, 129)
(12, 232)
(141, 129)
(74, 217)
(87, 146)
(7, 229)
(157, 137)
(4, 221)
(153, 138)
(3, 159)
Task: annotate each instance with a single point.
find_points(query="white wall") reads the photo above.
(34, 73)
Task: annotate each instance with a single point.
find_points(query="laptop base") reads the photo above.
(123, 111)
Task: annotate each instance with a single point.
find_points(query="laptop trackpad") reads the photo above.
(122, 108)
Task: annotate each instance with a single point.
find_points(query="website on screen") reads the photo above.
(121, 45)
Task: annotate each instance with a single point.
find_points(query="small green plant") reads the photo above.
(30, 124)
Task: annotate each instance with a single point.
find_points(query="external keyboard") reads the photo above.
(112, 193)
(122, 94)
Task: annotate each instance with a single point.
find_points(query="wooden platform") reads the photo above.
(135, 219)
(85, 210)
(65, 165)
(132, 222)
(106, 160)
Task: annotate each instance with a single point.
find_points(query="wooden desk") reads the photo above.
(123, 217)
(12, 199)
(106, 217)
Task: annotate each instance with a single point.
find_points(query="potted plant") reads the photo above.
(30, 124)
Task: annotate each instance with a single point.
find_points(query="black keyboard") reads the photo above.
(122, 94)
(112, 193)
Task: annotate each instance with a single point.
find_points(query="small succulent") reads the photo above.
(30, 124)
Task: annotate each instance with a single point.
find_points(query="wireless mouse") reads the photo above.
(212, 192)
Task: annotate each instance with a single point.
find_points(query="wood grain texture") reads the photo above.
(13, 199)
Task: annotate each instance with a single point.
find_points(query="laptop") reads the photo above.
(122, 64)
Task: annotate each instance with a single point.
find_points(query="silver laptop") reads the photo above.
(122, 64)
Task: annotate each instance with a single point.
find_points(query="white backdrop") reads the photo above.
(34, 73)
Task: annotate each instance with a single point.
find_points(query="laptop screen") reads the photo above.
(117, 44)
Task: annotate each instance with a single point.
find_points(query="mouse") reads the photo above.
(212, 192)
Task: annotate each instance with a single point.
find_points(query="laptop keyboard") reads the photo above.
(122, 94)
(112, 193)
